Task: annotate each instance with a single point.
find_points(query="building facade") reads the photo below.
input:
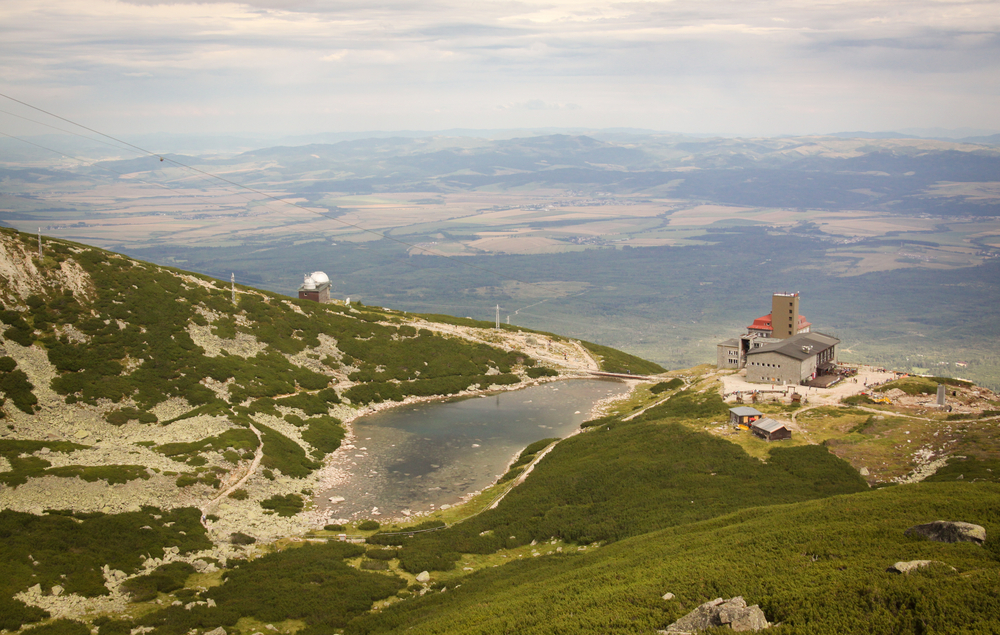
(783, 322)
(793, 360)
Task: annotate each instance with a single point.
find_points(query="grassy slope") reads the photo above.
(817, 566)
(692, 514)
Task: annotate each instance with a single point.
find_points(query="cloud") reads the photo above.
(538, 104)
(781, 65)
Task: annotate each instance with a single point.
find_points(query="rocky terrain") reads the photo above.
(217, 330)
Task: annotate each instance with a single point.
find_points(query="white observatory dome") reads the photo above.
(319, 277)
(308, 283)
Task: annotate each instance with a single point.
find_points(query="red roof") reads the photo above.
(763, 323)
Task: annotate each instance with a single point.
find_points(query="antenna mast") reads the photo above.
(232, 279)
(39, 242)
(498, 317)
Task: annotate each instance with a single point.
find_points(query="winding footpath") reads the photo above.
(258, 455)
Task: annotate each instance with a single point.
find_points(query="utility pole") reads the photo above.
(39, 242)
(498, 317)
(232, 279)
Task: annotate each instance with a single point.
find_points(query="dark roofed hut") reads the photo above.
(770, 430)
(743, 416)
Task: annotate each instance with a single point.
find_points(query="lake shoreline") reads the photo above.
(340, 470)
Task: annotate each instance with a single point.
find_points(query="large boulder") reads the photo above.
(949, 531)
(907, 567)
(733, 612)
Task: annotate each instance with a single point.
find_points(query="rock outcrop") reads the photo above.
(719, 612)
(911, 566)
(949, 531)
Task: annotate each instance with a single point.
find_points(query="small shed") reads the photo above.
(743, 416)
(770, 430)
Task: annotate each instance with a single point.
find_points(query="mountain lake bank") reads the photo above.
(416, 458)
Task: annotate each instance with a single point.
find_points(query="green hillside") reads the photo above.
(176, 386)
(815, 567)
(138, 397)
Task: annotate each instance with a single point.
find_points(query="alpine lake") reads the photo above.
(422, 457)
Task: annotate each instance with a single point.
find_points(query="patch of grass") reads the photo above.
(911, 386)
(688, 404)
(818, 567)
(615, 361)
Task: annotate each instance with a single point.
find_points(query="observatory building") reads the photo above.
(780, 347)
(315, 287)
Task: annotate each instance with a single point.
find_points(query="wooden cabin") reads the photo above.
(770, 430)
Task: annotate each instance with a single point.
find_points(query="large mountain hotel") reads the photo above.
(780, 347)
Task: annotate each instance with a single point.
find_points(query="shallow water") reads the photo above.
(417, 458)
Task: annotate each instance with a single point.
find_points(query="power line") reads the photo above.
(211, 176)
(266, 195)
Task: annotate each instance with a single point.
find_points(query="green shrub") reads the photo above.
(164, 579)
(334, 528)
(240, 538)
(381, 554)
(123, 415)
(283, 454)
(283, 505)
(237, 438)
(109, 626)
(664, 386)
(541, 371)
(239, 494)
(69, 549)
(186, 480)
(368, 525)
(14, 613)
(15, 386)
(59, 627)
(374, 565)
(311, 583)
(324, 434)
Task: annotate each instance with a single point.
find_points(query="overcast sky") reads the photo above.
(299, 66)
